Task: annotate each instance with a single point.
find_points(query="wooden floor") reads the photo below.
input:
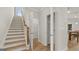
(41, 47)
(74, 48)
(73, 45)
(38, 46)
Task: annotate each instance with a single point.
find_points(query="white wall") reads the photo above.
(73, 21)
(18, 11)
(60, 25)
(61, 29)
(31, 16)
(43, 24)
(6, 14)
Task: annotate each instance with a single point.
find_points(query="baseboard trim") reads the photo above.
(42, 42)
(1, 49)
(66, 49)
(28, 46)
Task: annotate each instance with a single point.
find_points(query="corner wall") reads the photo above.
(61, 34)
(31, 16)
(43, 24)
(6, 15)
(73, 21)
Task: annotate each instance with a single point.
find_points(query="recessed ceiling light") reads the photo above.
(68, 11)
(76, 23)
(75, 16)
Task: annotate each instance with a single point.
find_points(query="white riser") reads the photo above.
(16, 29)
(15, 32)
(14, 45)
(15, 36)
(21, 48)
(14, 40)
(18, 26)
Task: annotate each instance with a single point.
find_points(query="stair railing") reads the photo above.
(26, 33)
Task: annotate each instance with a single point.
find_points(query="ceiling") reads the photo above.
(74, 12)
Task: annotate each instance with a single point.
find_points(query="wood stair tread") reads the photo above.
(16, 29)
(19, 48)
(14, 45)
(16, 33)
(15, 36)
(13, 41)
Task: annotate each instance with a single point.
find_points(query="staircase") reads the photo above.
(15, 40)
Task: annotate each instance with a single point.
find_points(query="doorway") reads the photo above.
(48, 31)
(18, 11)
(51, 21)
(54, 25)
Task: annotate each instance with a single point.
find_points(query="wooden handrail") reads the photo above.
(26, 30)
(24, 22)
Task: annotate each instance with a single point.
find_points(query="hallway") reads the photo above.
(38, 46)
(41, 47)
(39, 29)
(73, 45)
